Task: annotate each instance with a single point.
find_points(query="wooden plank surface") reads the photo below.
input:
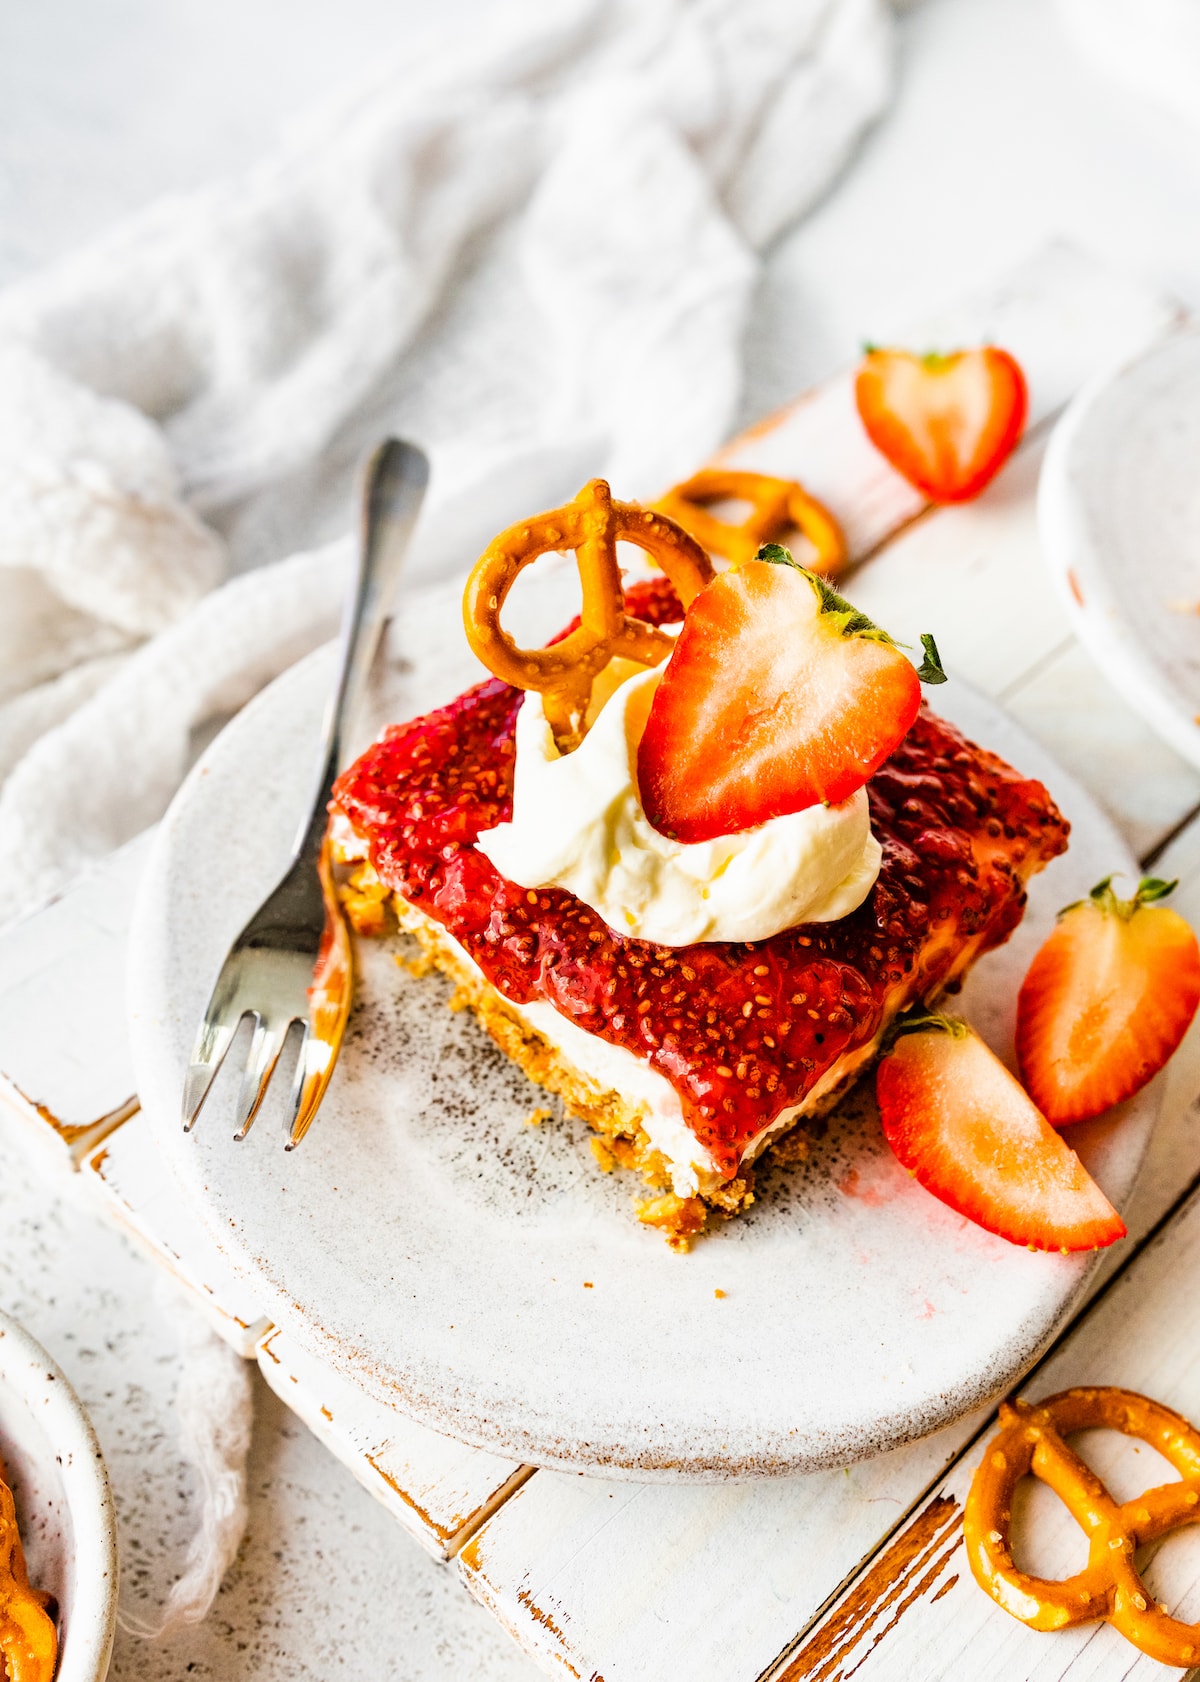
(575, 1552)
(66, 1028)
(924, 1618)
(630, 1581)
(612, 1579)
(437, 1489)
(134, 1187)
(1143, 784)
(64, 1048)
(975, 575)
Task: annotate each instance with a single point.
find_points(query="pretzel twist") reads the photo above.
(28, 1638)
(564, 672)
(777, 506)
(1031, 1439)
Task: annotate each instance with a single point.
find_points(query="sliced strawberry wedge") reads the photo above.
(778, 695)
(947, 423)
(1106, 1001)
(958, 1120)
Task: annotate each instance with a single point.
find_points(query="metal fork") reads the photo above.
(292, 963)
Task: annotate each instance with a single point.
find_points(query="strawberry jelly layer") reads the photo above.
(741, 1030)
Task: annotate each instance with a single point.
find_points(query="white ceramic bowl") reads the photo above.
(64, 1505)
(1119, 513)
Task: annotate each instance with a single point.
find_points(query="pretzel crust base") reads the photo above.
(1032, 1440)
(622, 1140)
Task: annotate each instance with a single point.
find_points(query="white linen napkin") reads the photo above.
(534, 257)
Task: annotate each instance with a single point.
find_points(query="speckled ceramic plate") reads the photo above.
(1119, 511)
(64, 1508)
(481, 1274)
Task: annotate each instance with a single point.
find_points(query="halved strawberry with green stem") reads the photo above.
(958, 1120)
(778, 695)
(1106, 1000)
(947, 423)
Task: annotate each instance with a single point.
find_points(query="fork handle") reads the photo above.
(393, 489)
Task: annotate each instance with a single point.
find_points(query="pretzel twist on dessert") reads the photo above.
(777, 506)
(1031, 1439)
(564, 672)
(28, 1639)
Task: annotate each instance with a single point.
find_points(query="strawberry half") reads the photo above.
(947, 423)
(958, 1120)
(1106, 1001)
(777, 695)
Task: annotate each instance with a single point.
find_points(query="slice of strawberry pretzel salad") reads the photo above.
(691, 863)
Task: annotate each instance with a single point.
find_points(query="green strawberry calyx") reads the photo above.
(920, 1020)
(846, 618)
(1149, 891)
(930, 670)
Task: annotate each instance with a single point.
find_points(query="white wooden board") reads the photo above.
(64, 1050)
(136, 1189)
(1144, 1334)
(437, 1489)
(643, 1567)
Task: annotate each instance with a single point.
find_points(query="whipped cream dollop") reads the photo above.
(578, 823)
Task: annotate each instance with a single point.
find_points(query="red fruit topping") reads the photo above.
(740, 1031)
(958, 1120)
(1106, 1001)
(778, 695)
(947, 423)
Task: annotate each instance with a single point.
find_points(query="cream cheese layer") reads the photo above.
(578, 824)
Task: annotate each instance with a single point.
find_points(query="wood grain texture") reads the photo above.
(633, 1582)
(133, 1187)
(64, 1052)
(910, 1568)
(437, 1489)
(1143, 1333)
(64, 1032)
(325, 1585)
(1143, 784)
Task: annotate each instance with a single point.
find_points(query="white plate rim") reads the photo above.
(1084, 583)
(508, 1435)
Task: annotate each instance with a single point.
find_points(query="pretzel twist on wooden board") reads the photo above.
(592, 526)
(777, 507)
(1032, 1440)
